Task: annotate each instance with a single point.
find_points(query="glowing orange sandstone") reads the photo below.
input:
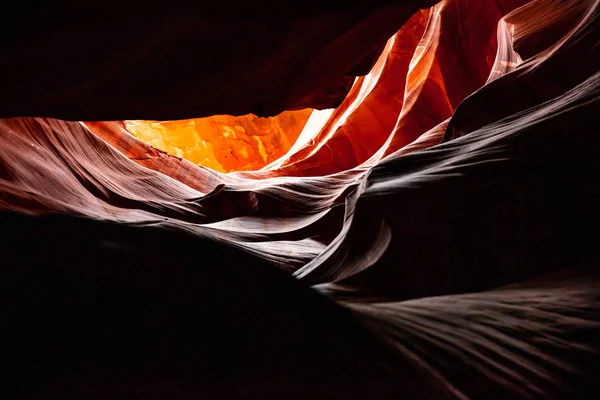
(222, 142)
(435, 61)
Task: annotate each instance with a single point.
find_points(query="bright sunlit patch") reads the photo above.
(223, 142)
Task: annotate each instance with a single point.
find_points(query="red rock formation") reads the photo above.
(434, 72)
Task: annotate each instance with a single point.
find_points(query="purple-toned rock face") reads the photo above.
(431, 233)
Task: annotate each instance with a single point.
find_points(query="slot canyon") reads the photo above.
(396, 199)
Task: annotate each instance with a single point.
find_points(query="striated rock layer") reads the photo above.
(434, 236)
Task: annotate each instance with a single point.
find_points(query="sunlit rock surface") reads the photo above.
(224, 143)
(432, 237)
